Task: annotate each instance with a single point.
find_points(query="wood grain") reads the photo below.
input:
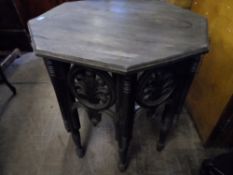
(119, 36)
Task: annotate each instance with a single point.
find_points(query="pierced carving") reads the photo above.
(154, 87)
(93, 88)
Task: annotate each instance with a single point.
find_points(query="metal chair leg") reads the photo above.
(4, 79)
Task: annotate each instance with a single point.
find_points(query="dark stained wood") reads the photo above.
(80, 41)
(125, 115)
(119, 36)
(58, 72)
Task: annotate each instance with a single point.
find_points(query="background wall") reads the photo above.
(182, 3)
(213, 84)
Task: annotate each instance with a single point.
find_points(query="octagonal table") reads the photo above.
(127, 53)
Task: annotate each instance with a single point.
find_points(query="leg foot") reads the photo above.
(123, 146)
(12, 88)
(160, 146)
(80, 152)
(150, 114)
(95, 117)
(77, 140)
(122, 166)
(166, 124)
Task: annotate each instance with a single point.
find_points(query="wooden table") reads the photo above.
(101, 53)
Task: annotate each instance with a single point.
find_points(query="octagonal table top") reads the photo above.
(119, 36)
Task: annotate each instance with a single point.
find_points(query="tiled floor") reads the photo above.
(33, 140)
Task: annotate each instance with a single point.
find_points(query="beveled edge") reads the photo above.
(116, 68)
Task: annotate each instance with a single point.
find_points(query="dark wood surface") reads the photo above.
(119, 36)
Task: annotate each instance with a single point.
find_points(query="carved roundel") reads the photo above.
(94, 89)
(154, 88)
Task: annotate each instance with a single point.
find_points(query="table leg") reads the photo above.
(166, 123)
(175, 105)
(75, 132)
(125, 112)
(94, 116)
(186, 82)
(58, 74)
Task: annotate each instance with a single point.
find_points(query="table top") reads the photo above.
(119, 36)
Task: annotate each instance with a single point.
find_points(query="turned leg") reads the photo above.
(58, 74)
(185, 78)
(184, 75)
(125, 112)
(9, 85)
(117, 90)
(77, 140)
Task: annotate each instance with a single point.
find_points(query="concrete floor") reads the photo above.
(33, 140)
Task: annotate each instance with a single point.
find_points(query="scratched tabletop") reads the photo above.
(119, 36)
